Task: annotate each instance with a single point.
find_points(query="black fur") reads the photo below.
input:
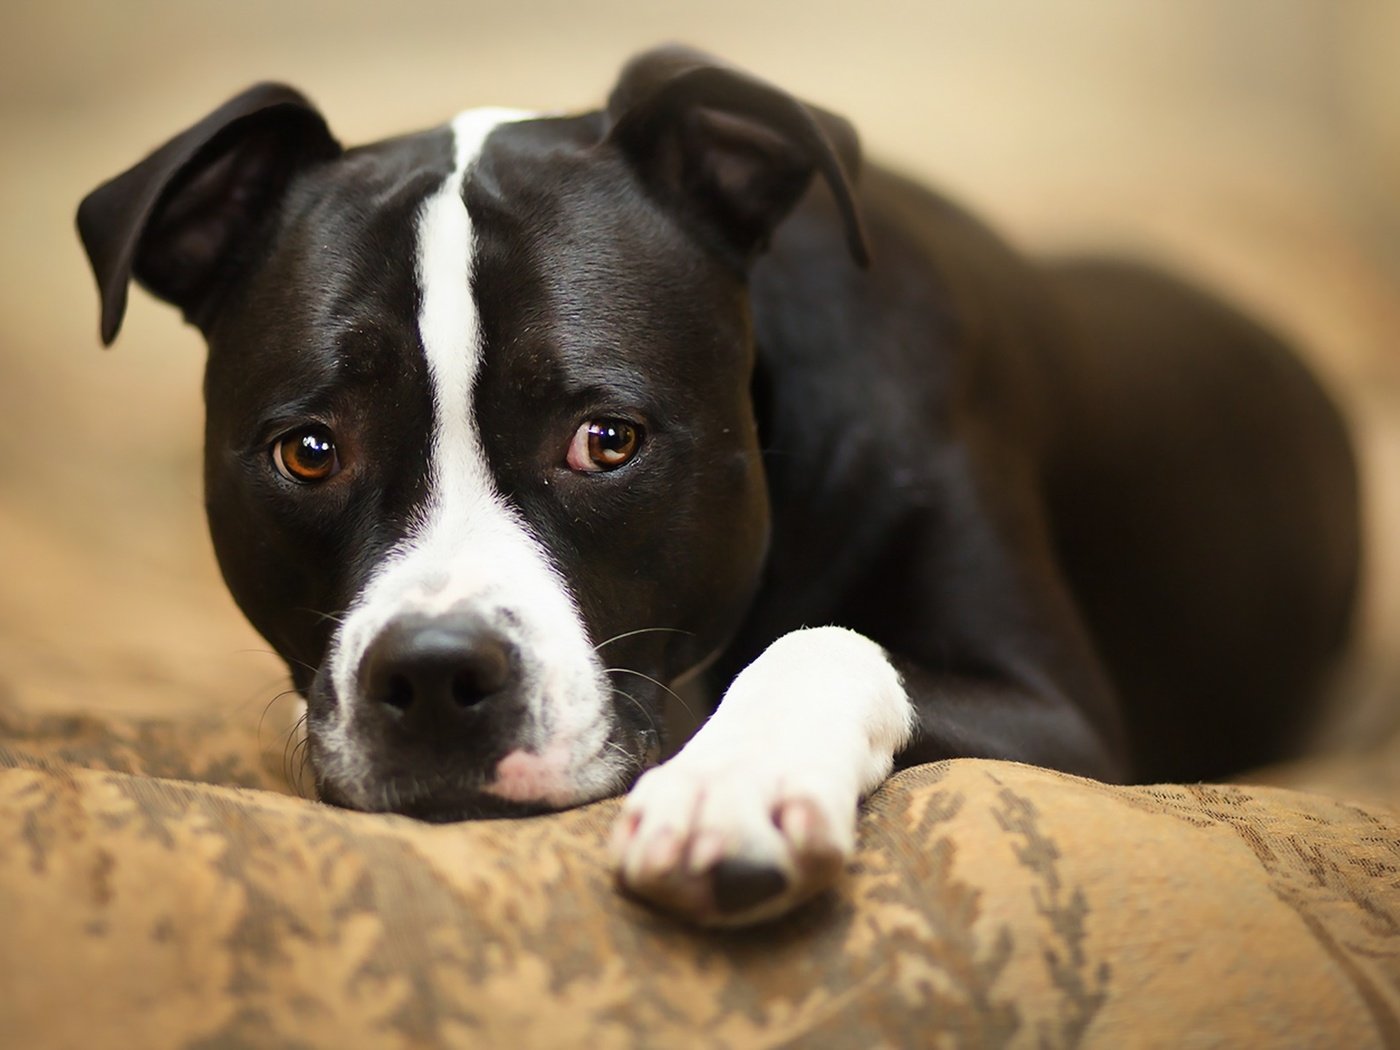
(1101, 522)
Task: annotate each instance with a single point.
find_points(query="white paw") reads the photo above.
(734, 839)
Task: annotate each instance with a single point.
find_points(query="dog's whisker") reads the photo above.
(335, 618)
(641, 630)
(290, 659)
(289, 735)
(646, 714)
(295, 757)
(302, 756)
(291, 766)
(267, 708)
(628, 761)
(660, 685)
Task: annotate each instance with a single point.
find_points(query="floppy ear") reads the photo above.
(729, 151)
(176, 220)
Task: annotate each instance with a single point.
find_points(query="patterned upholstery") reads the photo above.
(161, 887)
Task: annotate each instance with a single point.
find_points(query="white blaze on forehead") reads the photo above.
(448, 321)
(469, 545)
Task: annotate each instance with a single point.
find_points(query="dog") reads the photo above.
(517, 423)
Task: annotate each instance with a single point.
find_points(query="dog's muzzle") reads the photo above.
(449, 716)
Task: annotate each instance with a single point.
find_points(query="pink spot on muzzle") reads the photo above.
(523, 776)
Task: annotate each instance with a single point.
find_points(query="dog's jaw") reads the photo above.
(469, 548)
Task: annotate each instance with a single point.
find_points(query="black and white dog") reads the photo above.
(517, 422)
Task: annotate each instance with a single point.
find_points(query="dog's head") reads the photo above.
(481, 459)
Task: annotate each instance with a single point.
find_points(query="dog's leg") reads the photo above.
(758, 811)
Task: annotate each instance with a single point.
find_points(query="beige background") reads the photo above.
(1255, 144)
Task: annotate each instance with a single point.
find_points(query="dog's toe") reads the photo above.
(726, 850)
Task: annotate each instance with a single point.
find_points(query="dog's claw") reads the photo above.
(739, 886)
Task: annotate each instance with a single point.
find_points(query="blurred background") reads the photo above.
(1253, 145)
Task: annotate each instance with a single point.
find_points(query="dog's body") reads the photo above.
(512, 423)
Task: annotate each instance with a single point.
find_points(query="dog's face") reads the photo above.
(515, 420)
(481, 459)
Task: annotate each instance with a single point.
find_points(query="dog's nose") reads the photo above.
(436, 668)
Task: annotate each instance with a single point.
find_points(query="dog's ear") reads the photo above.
(177, 219)
(730, 151)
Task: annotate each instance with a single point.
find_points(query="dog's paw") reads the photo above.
(730, 844)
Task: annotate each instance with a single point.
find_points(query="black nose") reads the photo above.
(436, 669)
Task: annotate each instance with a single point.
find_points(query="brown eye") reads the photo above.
(306, 455)
(603, 444)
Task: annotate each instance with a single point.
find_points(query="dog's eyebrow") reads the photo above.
(275, 421)
(616, 389)
(295, 399)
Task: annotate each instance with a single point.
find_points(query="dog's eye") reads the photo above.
(306, 455)
(603, 444)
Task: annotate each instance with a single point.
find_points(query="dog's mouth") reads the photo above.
(436, 801)
(519, 783)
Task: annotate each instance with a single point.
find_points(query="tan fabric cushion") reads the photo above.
(991, 905)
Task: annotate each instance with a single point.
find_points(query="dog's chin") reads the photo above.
(447, 798)
(432, 804)
(511, 780)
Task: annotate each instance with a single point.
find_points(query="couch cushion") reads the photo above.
(991, 904)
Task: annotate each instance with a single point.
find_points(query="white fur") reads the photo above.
(470, 546)
(774, 777)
